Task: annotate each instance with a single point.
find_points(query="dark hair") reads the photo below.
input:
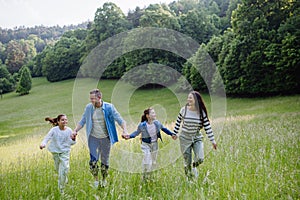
(199, 103)
(54, 121)
(96, 92)
(146, 112)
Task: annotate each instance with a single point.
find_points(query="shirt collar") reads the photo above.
(100, 106)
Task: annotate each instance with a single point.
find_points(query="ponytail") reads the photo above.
(54, 121)
(144, 116)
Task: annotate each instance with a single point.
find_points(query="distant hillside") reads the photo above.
(43, 32)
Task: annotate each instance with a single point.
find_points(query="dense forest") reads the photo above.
(253, 43)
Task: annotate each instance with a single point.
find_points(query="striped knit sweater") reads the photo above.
(191, 124)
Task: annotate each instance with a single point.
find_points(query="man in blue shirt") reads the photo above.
(99, 118)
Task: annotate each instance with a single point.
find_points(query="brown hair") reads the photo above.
(146, 112)
(199, 103)
(96, 92)
(54, 121)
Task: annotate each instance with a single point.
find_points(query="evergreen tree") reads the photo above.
(7, 82)
(24, 85)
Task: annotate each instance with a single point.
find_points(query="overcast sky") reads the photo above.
(15, 13)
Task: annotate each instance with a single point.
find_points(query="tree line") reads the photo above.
(253, 43)
(19, 48)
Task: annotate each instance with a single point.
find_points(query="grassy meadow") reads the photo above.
(257, 156)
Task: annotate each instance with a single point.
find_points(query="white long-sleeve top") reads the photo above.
(60, 140)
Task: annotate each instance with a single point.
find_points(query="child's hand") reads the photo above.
(73, 136)
(42, 146)
(126, 137)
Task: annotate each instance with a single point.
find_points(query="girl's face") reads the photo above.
(191, 100)
(63, 121)
(152, 115)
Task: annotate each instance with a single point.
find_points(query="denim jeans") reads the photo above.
(150, 151)
(61, 163)
(99, 147)
(189, 143)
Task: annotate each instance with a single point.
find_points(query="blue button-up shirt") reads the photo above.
(110, 115)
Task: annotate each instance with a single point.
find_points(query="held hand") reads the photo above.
(215, 146)
(42, 146)
(125, 132)
(174, 137)
(73, 136)
(126, 137)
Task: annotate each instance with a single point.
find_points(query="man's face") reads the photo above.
(94, 99)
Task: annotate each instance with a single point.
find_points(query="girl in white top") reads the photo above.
(192, 118)
(60, 146)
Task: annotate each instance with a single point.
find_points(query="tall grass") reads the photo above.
(257, 155)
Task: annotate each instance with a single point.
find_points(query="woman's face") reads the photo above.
(152, 114)
(191, 100)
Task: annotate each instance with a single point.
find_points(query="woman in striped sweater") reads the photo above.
(192, 118)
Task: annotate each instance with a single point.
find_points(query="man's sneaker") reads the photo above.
(195, 172)
(103, 183)
(96, 184)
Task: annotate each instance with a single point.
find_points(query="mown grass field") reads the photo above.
(257, 155)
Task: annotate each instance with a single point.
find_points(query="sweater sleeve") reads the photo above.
(48, 137)
(71, 142)
(164, 129)
(136, 133)
(167, 131)
(178, 121)
(207, 128)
